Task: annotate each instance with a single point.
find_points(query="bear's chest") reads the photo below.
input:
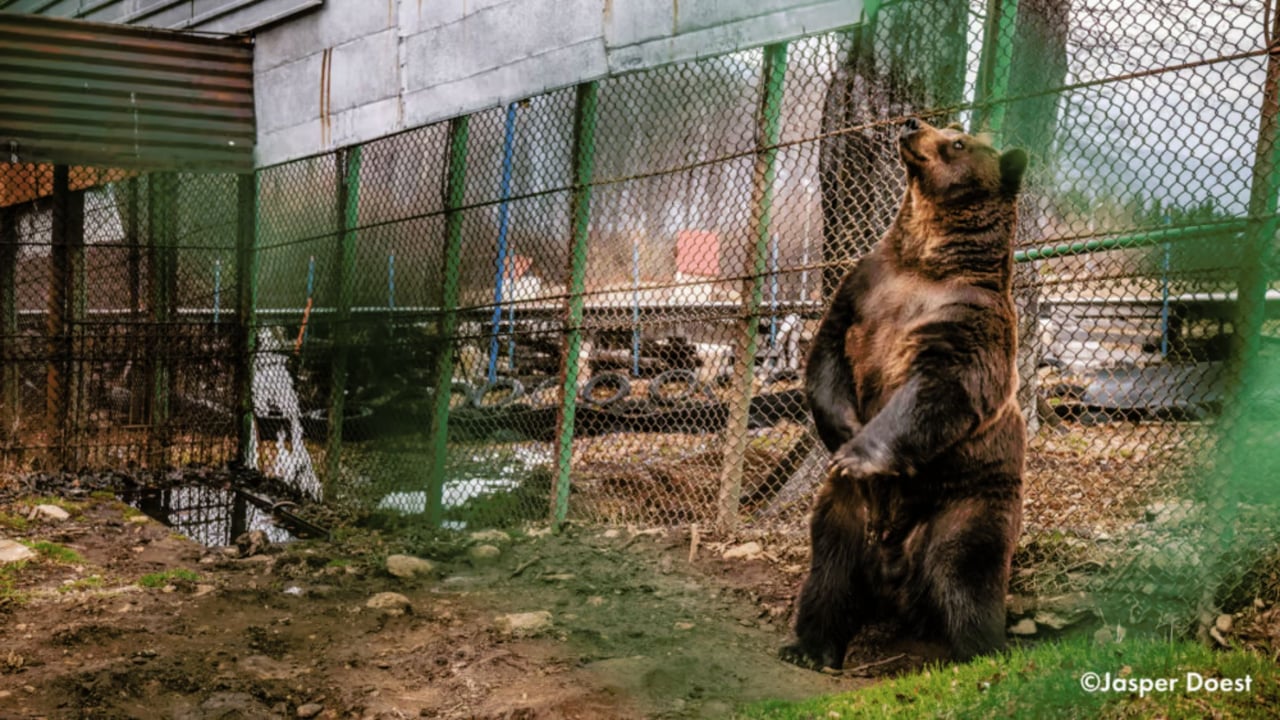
(882, 344)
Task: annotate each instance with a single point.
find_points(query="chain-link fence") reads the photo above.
(116, 347)
(595, 303)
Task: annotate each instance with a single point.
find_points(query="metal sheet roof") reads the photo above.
(213, 16)
(82, 93)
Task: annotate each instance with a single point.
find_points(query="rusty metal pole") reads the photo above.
(161, 239)
(65, 308)
(767, 136)
(246, 333)
(9, 394)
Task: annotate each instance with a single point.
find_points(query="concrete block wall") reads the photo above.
(353, 71)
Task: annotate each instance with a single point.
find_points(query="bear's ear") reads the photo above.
(1013, 163)
(956, 126)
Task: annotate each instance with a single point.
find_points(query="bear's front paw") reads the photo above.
(857, 461)
(797, 654)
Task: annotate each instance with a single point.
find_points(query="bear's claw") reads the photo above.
(796, 654)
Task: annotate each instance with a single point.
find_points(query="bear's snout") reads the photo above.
(910, 125)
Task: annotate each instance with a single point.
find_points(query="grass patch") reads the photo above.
(93, 582)
(72, 508)
(57, 553)
(9, 594)
(14, 522)
(1045, 682)
(160, 579)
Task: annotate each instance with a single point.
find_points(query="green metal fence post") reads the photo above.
(246, 337)
(9, 393)
(1262, 224)
(1251, 309)
(161, 248)
(348, 206)
(454, 192)
(65, 309)
(993, 68)
(768, 135)
(584, 150)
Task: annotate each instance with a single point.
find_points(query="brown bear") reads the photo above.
(911, 380)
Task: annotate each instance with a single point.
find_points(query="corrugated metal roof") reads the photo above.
(82, 93)
(213, 16)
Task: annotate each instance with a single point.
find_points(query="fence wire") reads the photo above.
(595, 304)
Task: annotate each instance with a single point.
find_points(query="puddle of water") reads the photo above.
(212, 516)
(475, 475)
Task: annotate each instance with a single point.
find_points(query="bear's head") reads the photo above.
(950, 167)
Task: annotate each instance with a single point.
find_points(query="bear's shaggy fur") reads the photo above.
(912, 381)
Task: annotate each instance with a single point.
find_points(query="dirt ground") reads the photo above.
(116, 629)
(118, 616)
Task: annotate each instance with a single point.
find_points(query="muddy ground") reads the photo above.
(118, 617)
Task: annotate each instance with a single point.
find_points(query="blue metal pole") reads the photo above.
(635, 308)
(217, 290)
(391, 281)
(1164, 304)
(504, 210)
(773, 293)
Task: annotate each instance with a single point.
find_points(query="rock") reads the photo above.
(745, 551)
(684, 626)
(1224, 623)
(52, 512)
(483, 554)
(309, 710)
(252, 543)
(1103, 636)
(524, 624)
(139, 519)
(1218, 638)
(390, 602)
(1054, 620)
(1025, 626)
(11, 551)
(490, 536)
(611, 533)
(408, 566)
(232, 704)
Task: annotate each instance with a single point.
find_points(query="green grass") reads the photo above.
(9, 594)
(57, 553)
(93, 582)
(1045, 682)
(160, 579)
(13, 522)
(72, 508)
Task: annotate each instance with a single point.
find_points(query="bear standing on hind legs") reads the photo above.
(912, 384)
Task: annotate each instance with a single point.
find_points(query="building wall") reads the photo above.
(356, 70)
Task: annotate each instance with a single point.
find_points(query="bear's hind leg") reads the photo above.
(966, 567)
(834, 602)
